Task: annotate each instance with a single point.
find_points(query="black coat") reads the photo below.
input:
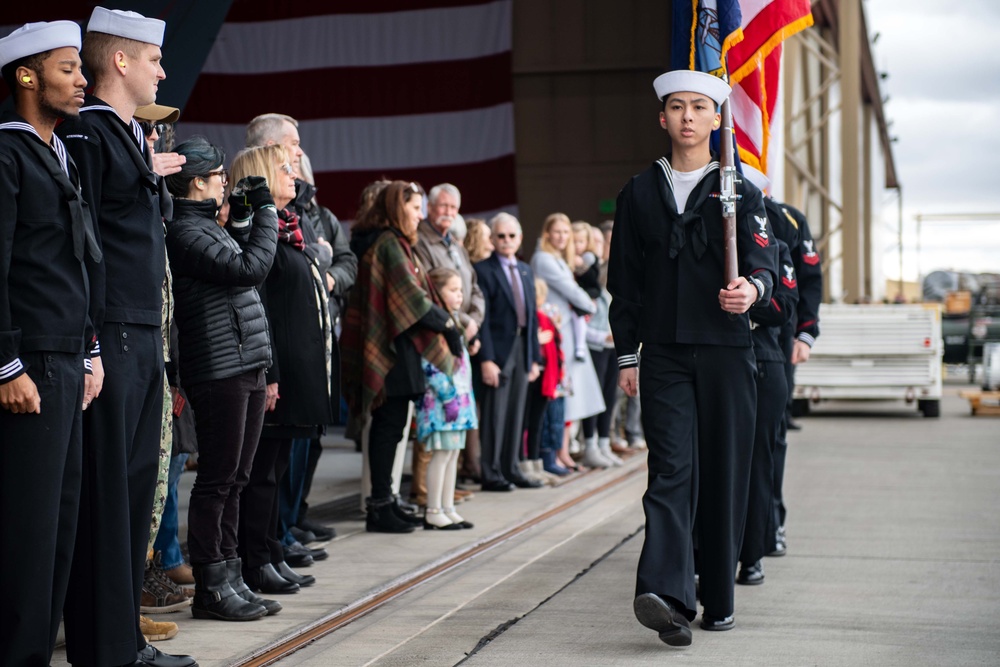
(666, 267)
(221, 323)
(500, 324)
(300, 334)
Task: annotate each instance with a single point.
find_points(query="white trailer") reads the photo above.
(874, 352)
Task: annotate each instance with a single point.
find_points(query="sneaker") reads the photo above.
(155, 631)
(160, 595)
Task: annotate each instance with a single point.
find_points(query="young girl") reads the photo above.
(445, 413)
(545, 395)
(586, 270)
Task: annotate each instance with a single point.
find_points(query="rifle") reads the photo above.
(727, 193)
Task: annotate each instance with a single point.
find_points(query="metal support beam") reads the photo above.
(851, 135)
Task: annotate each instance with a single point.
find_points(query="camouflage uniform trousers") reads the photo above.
(167, 421)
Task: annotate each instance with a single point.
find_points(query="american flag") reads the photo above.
(419, 90)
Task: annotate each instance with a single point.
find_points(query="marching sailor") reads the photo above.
(697, 368)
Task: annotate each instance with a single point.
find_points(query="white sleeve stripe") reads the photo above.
(628, 360)
(97, 349)
(807, 338)
(11, 369)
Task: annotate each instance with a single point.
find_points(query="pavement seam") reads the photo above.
(503, 627)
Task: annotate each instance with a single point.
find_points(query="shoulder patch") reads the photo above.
(788, 277)
(809, 256)
(760, 236)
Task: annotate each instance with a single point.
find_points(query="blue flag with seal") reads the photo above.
(703, 32)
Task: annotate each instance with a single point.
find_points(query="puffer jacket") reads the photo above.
(222, 327)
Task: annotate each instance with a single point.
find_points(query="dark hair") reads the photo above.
(33, 62)
(388, 209)
(202, 157)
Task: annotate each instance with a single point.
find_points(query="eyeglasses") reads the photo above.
(287, 169)
(222, 174)
(148, 128)
(510, 236)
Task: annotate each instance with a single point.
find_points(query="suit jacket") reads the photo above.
(500, 323)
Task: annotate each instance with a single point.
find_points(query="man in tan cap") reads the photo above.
(121, 439)
(698, 395)
(48, 254)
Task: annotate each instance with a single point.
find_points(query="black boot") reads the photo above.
(291, 575)
(382, 517)
(234, 569)
(215, 598)
(405, 514)
(266, 579)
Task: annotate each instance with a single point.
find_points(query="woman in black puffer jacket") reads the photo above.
(224, 351)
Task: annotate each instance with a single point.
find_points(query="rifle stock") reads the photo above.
(727, 193)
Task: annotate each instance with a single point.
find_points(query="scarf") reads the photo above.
(390, 295)
(288, 229)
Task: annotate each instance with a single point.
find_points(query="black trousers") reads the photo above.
(606, 365)
(501, 427)
(534, 413)
(387, 424)
(781, 452)
(229, 414)
(315, 451)
(698, 409)
(121, 451)
(40, 468)
(258, 524)
(758, 536)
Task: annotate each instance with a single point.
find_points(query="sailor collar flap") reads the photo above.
(140, 158)
(690, 218)
(67, 179)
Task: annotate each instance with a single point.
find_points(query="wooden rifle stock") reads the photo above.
(727, 193)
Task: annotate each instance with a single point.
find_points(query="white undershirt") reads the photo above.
(684, 182)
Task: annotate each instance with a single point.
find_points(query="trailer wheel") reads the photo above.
(800, 407)
(930, 407)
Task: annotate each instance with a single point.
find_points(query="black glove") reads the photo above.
(256, 192)
(239, 208)
(454, 340)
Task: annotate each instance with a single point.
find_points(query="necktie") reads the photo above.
(515, 286)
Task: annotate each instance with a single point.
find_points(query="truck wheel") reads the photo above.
(800, 407)
(930, 407)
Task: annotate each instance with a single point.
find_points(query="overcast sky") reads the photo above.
(943, 62)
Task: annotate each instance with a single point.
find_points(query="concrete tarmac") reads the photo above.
(894, 539)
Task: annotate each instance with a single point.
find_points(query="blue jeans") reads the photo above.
(290, 489)
(553, 425)
(166, 540)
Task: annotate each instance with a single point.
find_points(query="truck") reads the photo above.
(874, 352)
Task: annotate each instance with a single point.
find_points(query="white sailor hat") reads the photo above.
(32, 38)
(127, 24)
(689, 81)
(755, 176)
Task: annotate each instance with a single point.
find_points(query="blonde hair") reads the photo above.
(569, 253)
(541, 291)
(474, 243)
(581, 227)
(258, 161)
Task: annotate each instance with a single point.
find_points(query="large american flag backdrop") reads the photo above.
(418, 90)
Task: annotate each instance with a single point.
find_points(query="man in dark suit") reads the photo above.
(508, 358)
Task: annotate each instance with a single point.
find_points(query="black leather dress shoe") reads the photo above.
(153, 656)
(751, 575)
(297, 555)
(713, 624)
(322, 533)
(303, 536)
(525, 483)
(265, 579)
(291, 575)
(657, 614)
(794, 425)
(502, 485)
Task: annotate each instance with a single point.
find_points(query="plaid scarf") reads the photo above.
(288, 229)
(391, 294)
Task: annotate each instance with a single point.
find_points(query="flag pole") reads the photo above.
(727, 193)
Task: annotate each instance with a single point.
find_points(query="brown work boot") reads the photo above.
(155, 631)
(160, 595)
